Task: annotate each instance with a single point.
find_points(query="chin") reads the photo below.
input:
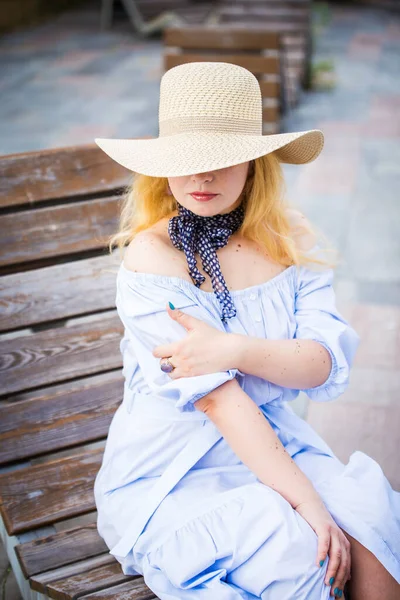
(205, 211)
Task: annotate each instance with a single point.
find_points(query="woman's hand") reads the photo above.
(204, 350)
(331, 541)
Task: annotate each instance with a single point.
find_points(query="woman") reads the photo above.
(211, 486)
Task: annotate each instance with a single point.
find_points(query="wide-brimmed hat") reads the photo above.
(210, 117)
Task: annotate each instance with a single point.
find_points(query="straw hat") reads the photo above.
(210, 117)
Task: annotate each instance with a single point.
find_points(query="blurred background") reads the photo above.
(73, 70)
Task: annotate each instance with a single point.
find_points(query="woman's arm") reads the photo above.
(254, 441)
(251, 437)
(296, 364)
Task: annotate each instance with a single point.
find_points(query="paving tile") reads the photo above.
(373, 386)
(393, 31)
(384, 292)
(367, 46)
(373, 246)
(351, 426)
(379, 329)
(335, 174)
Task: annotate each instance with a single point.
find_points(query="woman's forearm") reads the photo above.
(251, 437)
(296, 364)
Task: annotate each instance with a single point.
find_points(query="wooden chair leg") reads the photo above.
(134, 14)
(307, 76)
(106, 15)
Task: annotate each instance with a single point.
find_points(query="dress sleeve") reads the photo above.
(318, 319)
(141, 306)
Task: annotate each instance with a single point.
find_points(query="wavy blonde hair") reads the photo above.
(266, 219)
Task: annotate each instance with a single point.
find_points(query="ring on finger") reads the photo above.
(166, 365)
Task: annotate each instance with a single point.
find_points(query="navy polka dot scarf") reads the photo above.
(193, 233)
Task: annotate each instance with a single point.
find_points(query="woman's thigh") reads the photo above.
(277, 557)
(255, 546)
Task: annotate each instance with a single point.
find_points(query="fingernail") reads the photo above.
(172, 307)
(332, 579)
(339, 593)
(321, 562)
(336, 591)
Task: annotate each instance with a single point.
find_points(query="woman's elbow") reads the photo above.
(217, 397)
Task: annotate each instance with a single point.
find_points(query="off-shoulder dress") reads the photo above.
(176, 504)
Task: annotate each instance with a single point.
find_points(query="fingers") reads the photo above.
(323, 547)
(339, 564)
(162, 351)
(343, 573)
(187, 321)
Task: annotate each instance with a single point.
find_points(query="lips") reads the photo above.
(201, 196)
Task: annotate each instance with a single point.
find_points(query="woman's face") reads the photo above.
(227, 185)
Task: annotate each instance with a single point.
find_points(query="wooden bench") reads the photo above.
(256, 50)
(61, 369)
(292, 19)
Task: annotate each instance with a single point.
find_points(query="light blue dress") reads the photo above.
(175, 503)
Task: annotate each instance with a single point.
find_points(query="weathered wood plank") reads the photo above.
(220, 38)
(270, 13)
(29, 177)
(57, 292)
(59, 354)
(132, 590)
(58, 421)
(40, 581)
(88, 581)
(270, 114)
(63, 387)
(270, 89)
(60, 549)
(43, 494)
(277, 27)
(58, 230)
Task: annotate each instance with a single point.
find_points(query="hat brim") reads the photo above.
(197, 152)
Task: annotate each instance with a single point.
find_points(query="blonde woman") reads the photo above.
(211, 486)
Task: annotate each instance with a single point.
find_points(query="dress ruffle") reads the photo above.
(252, 546)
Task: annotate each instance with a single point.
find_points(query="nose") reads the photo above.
(203, 176)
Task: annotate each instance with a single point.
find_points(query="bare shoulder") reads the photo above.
(151, 252)
(301, 230)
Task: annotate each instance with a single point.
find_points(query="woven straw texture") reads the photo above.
(210, 117)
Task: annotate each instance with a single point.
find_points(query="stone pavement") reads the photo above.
(65, 82)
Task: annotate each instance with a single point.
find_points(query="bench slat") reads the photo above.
(59, 354)
(216, 38)
(278, 27)
(40, 495)
(26, 178)
(124, 591)
(58, 421)
(47, 233)
(272, 13)
(269, 89)
(90, 581)
(39, 582)
(60, 549)
(57, 292)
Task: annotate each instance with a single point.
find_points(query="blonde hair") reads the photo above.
(266, 219)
